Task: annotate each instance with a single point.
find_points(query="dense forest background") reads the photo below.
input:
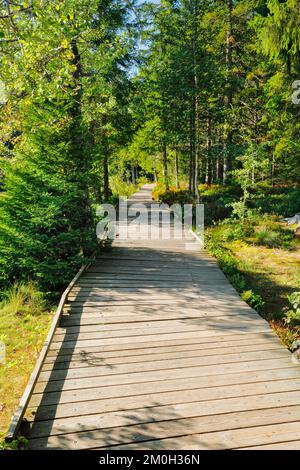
(99, 94)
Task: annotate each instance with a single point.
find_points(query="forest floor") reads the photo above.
(272, 273)
(23, 329)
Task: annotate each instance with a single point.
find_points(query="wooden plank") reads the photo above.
(82, 408)
(122, 337)
(155, 349)
(103, 318)
(155, 297)
(119, 340)
(114, 368)
(157, 262)
(149, 363)
(150, 376)
(153, 342)
(231, 438)
(157, 276)
(164, 429)
(155, 271)
(155, 303)
(186, 344)
(150, 309)
(150, 327)
(290, 445)
(86, 332)
(120, 289)
(87, 359)
(215, 383)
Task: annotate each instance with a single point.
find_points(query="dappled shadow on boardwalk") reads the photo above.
(183, 287)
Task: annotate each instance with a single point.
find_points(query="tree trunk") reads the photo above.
(79, 153)
(196, 153)
(165, 166)
(133, 175)
(229, 94)
(176, 168)
(208, 173)
(105, 150)
(273, 169)
(192, 159)
(106, 191)
(218, 158)
(96, 182)
(196, 103)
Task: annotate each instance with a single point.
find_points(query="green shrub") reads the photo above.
(121, 188)
(141, 181)
(292, 317)
(217, 200)
(218, 191)
(272, 235)
(254, 300)
(281, 201)
(267, 238)
(16, 444)
(230, 267)
(46, 224)
(178, 196)
(238, 281)
(172, 196)
(215, 211)
(158, 191)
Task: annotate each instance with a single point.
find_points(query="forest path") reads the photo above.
(156, 350)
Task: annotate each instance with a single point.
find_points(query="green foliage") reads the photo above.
(230, 266)
(282, 201)
(238, 282)
(16, 444)
(254, 300)
(45, 218)
(121, 188)
(267, 237)
(251, 163)
(209, 193)
(158, 190)
(176, 196)
(273, 236)
(23, 299)
(280, 32)
(24, 322)
(65, 115)
(292, 317)
(217, 200)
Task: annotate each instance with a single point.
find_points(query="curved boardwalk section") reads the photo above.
(155, 350)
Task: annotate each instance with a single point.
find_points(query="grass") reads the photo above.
(24, 322)
(266, 262)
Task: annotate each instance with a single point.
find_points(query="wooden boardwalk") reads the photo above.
(156, 350)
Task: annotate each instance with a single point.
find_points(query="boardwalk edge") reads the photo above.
(23, 403)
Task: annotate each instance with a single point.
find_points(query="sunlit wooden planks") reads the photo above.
(156, 350)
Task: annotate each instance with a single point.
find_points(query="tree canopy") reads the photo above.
(183, 92)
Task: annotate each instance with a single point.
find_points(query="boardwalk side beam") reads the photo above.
(19, 414)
